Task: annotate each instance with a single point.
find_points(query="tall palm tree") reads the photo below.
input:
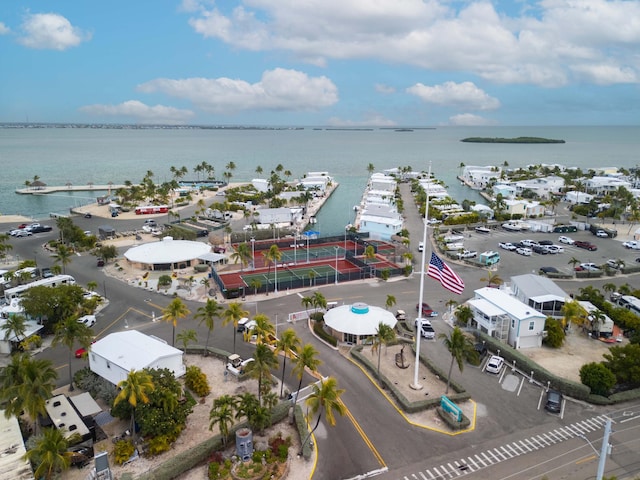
(273, 256)
(383, 336)
(207, 315)
(319, 301)
(391, 301)
(571, 312)
(173, 312)
(264, 330)
(306, 303)
(222, 414)
(63, 256)
(573, 262)
(307, 358)
(15, 325)
(460, 347)
(233, 314)
(187, 336)
(325, 398)
(67, 333)
(288, 344)
(371, 168)
(134, 389)
(264, 361)
(50, 454)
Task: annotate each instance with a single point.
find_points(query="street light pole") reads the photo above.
(275, 290)
(253, 253)
(307, 248)
(336, 247)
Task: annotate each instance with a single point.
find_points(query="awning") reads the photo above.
(85, 404)
(212, 257)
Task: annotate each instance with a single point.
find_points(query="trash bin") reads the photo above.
(244, 444)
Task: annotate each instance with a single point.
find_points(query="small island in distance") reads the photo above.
(511, 140)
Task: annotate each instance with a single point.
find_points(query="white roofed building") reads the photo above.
(167, 254)
(115, 355)
(357, 323)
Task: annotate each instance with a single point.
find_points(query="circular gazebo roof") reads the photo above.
(358, 319)
(167, 251)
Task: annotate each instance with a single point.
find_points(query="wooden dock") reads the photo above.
(46, 189)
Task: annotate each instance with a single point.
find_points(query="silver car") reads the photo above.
(494, 365)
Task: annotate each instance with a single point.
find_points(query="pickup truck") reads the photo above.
(467, 254)
(427, 331)
(633, 244)
(586, 245)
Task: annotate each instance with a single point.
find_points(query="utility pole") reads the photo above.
(605, 450)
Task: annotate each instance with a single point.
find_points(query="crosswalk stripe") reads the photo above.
(556, 436)
(505, 451)
(496, 456)
(431, 475)
(531, 444)
(437, 472)
(542, 441)
(480, 460)
(453, 470)
(422, 475)
(567, 433)
(594, 423)
(473, 463)
(518, 445)
(552, 441)
(510, 448)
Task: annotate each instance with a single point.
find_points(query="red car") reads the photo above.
(23, 225)
(83, 352)
(427, 311)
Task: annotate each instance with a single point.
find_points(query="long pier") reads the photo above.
(46, 189)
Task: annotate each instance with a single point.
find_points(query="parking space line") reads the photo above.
(480, 460)
(507, 452)
(453, 469)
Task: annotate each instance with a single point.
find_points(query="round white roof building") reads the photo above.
(358, 319)
(167, 252)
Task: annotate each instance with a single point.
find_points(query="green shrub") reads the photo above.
(319, 330)
(196, 381)
(597, 377)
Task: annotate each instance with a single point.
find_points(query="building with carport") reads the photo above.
(167, 254)
(356, 324)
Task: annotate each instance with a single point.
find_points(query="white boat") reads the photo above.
(453, 238)
(512, 227)
(454, 247)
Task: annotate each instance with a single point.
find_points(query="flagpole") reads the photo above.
(418, 324)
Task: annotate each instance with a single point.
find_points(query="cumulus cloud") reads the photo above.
(277, 90)
(386, 89)
(370, 120)
(470, 120)
(604, 74)
(50, 31)
(4, 30)
(463, 95)
(141, 113)
(540, 46)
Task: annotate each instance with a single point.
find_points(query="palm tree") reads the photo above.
(255, 284)
(135, 388)
(383, 336)
(15, 325)
(207, 315)
(187, 336)
(63, 256)
(273, 255)
(233, 314)
(319, 301)
(492, 279)
(306, 303)
(67, 333)
(174, 312)
(371, 168)
(222, 414)
(464, 314)
(369, 253)
(242, 254)
(460, 347)
(571, 312)
(391, 301)
(307, 358)
(26, 384)
(50, 453)
(264, 360)
(597, 318)
(264, 330)
(288, 344)
(325, 398)
(573, 262)
(450, 304)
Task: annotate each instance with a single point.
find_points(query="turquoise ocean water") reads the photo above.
(102, 155)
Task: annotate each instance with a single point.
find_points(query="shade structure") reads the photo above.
(358, 319)
(167, 251)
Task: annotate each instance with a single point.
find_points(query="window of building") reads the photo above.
(532, 326)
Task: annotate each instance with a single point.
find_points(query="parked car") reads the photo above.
(588, 267)
(494, 365)
(427, 311)
(566, 240)
(81, 352)
(88, 320)
(554, 401)
(524, 251)
(634, 244)
(555, 249)
(46, 273)
(586, 245)
(507, 246)
(23, 233)
(602, 234)
(547, 270)
(467, 254)
(481, 349)
(528, 243)
(100, 262)
(616, 264)
(540, 249)
(545, 242)
(88, 215)
(41, 229)
(421, 247)
(401, 315)
(151, 222)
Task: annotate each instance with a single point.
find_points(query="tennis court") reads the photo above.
(286, 273)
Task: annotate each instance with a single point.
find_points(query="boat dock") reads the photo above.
(46, 189)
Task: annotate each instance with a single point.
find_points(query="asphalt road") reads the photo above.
(373, 435)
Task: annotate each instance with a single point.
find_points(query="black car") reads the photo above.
(554, 401)
(480, 349)
(41, 229)
(547, 270)
(541, 249)
(545, 242)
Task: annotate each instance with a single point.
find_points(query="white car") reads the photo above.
(421, 247)
(88, 320)
(566, 240)
(555, 249)
(23, 233)
(467, 254)
(494, 365)
(529, 243)
(524, 251)
(602, 234)
(507, 246)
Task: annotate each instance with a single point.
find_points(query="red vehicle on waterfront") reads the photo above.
(150, 209)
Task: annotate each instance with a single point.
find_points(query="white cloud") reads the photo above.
(50, 31)
(140, 112)
(539, 45)
(278, 90)
(605, 74)
(463, 95)
(470, 120)
(386, 89)
(370, 120)
(4, 30)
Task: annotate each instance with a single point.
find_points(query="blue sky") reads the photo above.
(321, 62)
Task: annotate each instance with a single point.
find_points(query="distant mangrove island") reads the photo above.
(511, 140)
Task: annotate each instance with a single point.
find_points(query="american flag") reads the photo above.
(447, 277)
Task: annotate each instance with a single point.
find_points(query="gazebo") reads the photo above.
(356, 323)
(167, 254)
